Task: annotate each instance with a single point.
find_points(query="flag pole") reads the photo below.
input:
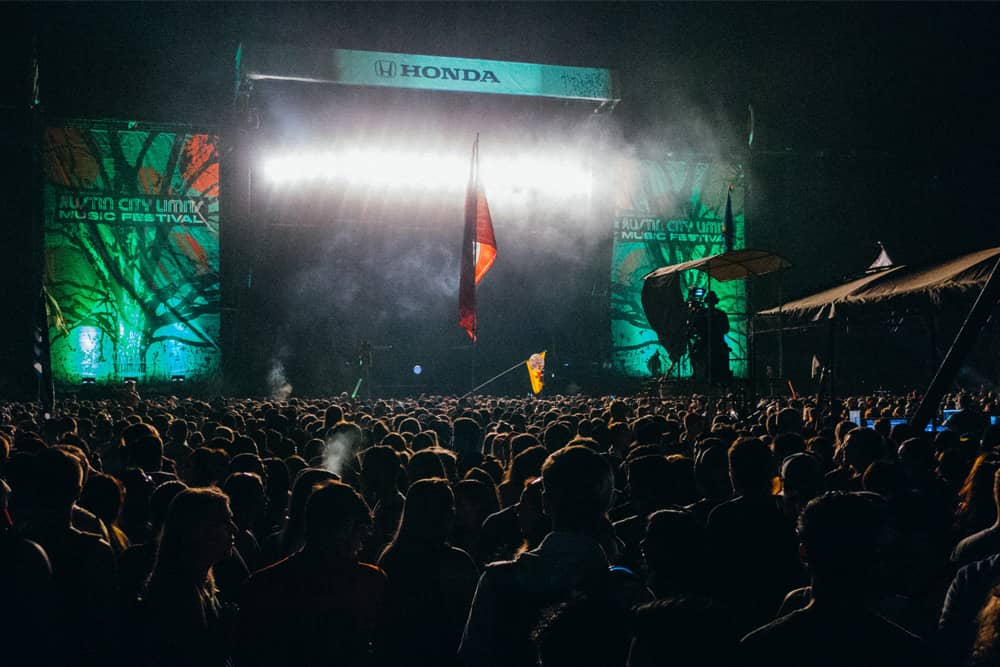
(478, 254)
(46, 391)
(494, 378)
(474, 181)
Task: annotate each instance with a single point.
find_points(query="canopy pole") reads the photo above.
(781, 327)
(707, 343)
(752, 351)
(932, 330)
(960, 347)
(831, 356)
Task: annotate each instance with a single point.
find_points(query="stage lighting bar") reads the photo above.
(428, 171)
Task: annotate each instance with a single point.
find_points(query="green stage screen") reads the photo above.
(668, 212)
(131, 253)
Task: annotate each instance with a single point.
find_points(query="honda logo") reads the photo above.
(385, 68)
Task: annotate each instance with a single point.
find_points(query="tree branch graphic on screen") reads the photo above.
(132, 252)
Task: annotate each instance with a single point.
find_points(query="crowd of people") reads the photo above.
(499, 532)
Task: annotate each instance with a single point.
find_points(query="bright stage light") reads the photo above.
(420, 170)
(561, 177)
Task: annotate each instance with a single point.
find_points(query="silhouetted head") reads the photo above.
(711, 470)
(786, 444)
(424, 464)
(751, 467)
(294, 529)
(862, 447)
(801, 480)
(380, 469)
(649, 483)
(840, 535)
(57, 479)
(577, 486)
(556, 436)
(886, 478)
(675, 548)
(248, 462)
(474, 501)
(246, 497)
(159, 502)
(468, 437)
(788, 420)
(526, 464)
(428, 513)
(337, 520)
(103, 495)
(198, 533)
(135, 432)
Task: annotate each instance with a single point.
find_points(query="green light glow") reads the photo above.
(132, 254)
(670, 212)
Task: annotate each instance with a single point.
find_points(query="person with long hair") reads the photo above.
(430, 582)
(291, 536)
(976, 508)
(474, 501)
(986, 542)
(525, 466)
(320, 605)
(184, 618)
(986, 646)
(104, 495)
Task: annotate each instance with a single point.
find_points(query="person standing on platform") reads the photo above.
(709, 353)
(655, 364)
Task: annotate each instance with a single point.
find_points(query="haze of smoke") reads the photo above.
(354, 284)
(380, 285)
(337, 453)
(278, 384)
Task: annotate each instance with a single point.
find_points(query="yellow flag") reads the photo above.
(536, 371)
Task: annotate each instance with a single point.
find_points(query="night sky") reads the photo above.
(914, 79)
(874, 122)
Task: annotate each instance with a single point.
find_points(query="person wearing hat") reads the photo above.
(709, 353)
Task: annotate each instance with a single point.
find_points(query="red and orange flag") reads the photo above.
(479, 247)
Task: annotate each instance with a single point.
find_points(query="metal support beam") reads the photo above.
(960, 347)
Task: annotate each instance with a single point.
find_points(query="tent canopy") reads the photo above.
(732, 265)
(664, 304)
(928, 284)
